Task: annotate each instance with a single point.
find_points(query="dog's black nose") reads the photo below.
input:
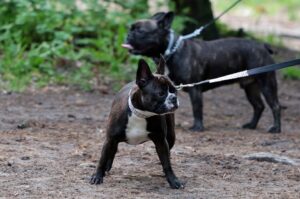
(174, 99)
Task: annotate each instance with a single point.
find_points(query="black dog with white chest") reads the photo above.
(197, 60)
(140, 112)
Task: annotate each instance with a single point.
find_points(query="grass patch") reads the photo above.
(291, 73)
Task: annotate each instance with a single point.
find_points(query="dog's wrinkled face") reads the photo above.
(157, 92)
(149, 37)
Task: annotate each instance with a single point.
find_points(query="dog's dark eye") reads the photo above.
(146, 99)
(132, 27)
(172, 89)
(141, 31)
(161, 94)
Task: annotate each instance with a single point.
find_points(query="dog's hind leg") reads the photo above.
(269, 90)
(253, 95)
(197, 104)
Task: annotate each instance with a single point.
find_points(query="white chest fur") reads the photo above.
(136, 132)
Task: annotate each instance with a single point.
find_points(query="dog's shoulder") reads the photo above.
(118, 116)
(121, 98)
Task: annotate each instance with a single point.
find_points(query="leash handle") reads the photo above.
(245, 73)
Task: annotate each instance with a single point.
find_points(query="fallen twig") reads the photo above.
(269, 157)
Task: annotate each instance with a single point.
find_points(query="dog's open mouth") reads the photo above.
(131, 49)
(135, 50)
(128, 46)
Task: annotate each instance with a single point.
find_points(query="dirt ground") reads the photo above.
(51, 140)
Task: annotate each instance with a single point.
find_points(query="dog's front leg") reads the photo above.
(162, 149)
(107, 156)
(197, 105)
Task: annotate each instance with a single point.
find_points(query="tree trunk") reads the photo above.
(200, 12)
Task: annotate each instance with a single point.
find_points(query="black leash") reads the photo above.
(245, 73)
(224, 12)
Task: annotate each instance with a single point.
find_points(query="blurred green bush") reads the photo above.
(72, 42)
(64, 41)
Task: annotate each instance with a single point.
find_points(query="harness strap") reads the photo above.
(171, 43)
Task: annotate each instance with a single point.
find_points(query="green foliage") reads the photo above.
(270, 7)
(179, 20)
(59, 42)
(292, 73)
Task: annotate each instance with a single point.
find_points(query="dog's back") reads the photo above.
(240, 54)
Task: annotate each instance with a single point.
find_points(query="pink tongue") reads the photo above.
(128, 46)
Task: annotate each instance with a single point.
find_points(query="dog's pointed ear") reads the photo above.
(143, 74)
(158, 16)
(161, 66)
(166, 20)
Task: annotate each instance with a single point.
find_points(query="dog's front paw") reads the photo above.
(274, 129)
(176, 184)
(96, 179)
(249, 125)
(196, 128)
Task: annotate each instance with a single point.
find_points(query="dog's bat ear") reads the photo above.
(143, 74)
(166, 21)
(158, 16)
(161, 66)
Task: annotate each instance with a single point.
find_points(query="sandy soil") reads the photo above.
(51, 140)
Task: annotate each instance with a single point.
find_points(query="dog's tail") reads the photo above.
(269, 49)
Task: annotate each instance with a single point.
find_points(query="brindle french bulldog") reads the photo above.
(142, 111)
(197, 60)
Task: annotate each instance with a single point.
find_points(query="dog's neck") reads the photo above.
(135, 110)
(168, 45)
